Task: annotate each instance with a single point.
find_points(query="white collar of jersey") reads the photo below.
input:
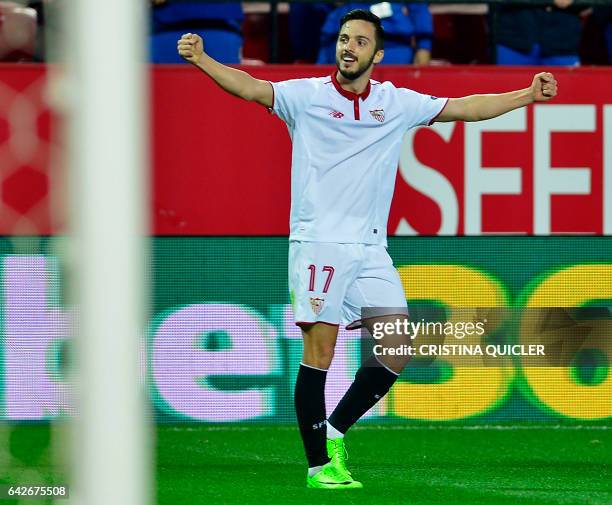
(349, 95)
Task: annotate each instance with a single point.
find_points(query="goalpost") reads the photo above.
(104, 94)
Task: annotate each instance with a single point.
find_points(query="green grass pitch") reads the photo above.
(264, 465)
(257, 464)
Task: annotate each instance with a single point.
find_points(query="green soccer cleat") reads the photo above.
(330, 478)
(337, 453)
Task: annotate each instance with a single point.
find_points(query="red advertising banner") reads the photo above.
(25, 151)
(221, 166)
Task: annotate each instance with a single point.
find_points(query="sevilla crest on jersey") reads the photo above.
(378, 114)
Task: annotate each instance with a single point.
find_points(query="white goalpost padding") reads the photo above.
(107, 92)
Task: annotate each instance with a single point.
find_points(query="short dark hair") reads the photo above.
(368, 16)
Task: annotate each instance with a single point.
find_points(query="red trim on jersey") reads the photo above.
(347, 94)
(433, 120)
(300, 323)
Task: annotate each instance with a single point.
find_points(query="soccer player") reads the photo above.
(346, 132)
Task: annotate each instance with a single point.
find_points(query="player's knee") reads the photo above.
(318, 354)
(394, 363)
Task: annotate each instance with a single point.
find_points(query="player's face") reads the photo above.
(356, 48)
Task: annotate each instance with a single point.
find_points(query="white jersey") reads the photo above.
(345, 154)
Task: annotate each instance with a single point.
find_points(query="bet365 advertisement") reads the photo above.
(221, 345)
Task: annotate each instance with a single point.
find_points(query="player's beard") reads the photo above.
(355, 74)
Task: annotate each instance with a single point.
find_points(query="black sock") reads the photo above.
(310, 411)
(372, 382)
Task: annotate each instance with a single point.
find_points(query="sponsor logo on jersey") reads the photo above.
(336, 114)
(317, 305)
(378, 114)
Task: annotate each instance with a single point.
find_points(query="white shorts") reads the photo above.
(330, 283)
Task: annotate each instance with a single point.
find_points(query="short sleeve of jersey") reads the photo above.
(292, 97)
(421, 110)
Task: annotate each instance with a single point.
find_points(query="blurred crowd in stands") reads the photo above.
(559, 33)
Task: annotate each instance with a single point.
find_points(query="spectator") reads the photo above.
(17, 32)
(408, 32)
(305, 22)
(220, 24)
(538, 35)
(603, 16)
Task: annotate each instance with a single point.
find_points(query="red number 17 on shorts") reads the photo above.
(313, 270)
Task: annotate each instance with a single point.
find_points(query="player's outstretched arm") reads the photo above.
(480, 107)
(234, 81)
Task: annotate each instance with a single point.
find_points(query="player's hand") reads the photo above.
(191, 47)
(543, 87)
